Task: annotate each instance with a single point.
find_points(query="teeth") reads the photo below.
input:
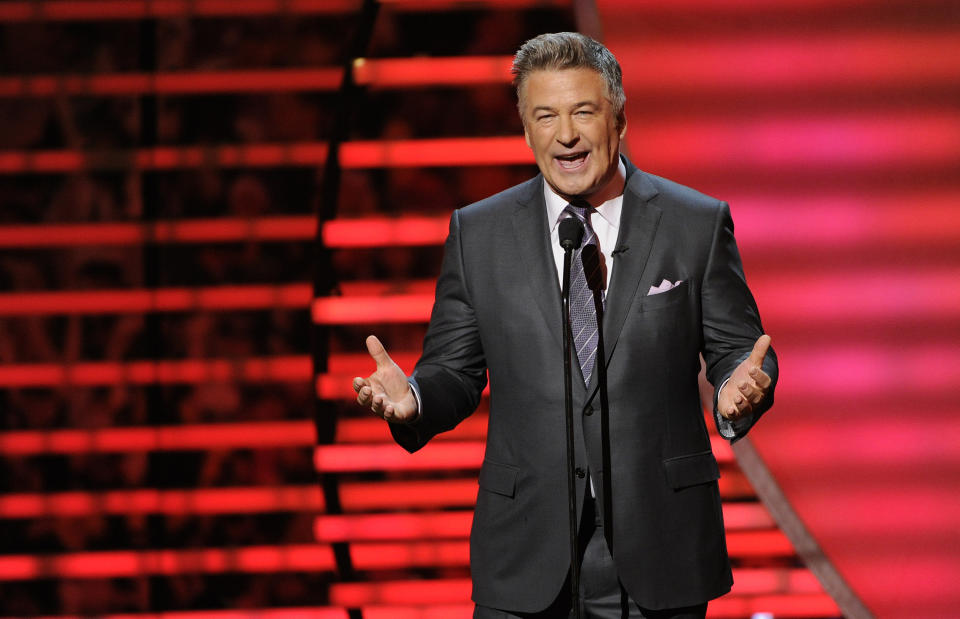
(571, 161)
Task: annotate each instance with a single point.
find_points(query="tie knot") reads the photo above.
(579, 210)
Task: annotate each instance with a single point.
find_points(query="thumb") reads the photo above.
(378, 352)
(759, 350)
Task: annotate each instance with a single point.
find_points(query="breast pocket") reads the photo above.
(665, 299)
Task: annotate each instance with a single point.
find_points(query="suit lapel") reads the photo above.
(533, 240)
(638, 228)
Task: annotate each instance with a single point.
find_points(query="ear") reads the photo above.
(622, 121)
(526, 135)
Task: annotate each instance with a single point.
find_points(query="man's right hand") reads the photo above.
(386, 391)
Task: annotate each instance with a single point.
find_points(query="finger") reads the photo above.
(759, 350)
(760, 377)
(377, 404)
(743, 404)
(358, 384)
(363, 396)
(752, 393)
(378, 352)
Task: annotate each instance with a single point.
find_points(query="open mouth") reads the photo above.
(572, 161)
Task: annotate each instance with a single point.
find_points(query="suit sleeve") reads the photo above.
(451, 373)
(731, 321)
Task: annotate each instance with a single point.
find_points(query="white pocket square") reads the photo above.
(664, 286)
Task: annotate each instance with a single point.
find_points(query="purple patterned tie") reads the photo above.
(586, 292)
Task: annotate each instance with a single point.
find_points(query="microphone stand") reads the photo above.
(568, 245)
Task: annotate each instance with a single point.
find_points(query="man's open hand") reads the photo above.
(747, 385)
(386, 391)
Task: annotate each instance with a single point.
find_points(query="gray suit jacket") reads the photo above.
(498, 310)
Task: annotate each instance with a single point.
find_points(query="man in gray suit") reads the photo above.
(668, 288)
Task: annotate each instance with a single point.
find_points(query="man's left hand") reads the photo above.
(748, 384)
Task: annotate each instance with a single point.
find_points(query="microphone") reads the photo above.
(571, 233)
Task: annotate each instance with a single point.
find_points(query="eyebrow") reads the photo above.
(547, 108)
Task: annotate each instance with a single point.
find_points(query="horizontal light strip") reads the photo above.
(452, 454)
(377, 73)
(157, 300)
(453, 71)
(408, 231)
(194, 82)
(747, 581)
(736, 65)
(159, 438)
(266, 434)
(419, 494)
(763, 221)
(354, 496)
(185, 231)
(372, 429)
(129, 563)
(439, 152)
(395, 308)
(203, 501)
(456, 524)
(299, 557)
(293, 368)
(919, 137)
(98, 10)
(288, 612)
(851, 221)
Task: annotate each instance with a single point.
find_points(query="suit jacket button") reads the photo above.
(580, 472)
(589, 411)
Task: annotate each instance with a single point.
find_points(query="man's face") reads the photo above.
(570, 125)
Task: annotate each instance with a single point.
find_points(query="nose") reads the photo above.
(567, 133)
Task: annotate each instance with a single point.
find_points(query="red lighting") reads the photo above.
(150, 501)
(128, 563)
(440, 152)
(294, 368)
(408, 231)
(84, 10)
(380, 73)
(369, 310)
(389, 457)
(340, 233)
(377, 527)
(414, 72)
(158, 300)
(425, 494)
(158, 438)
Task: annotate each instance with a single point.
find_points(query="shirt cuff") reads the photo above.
(416, 394)
(730, 428)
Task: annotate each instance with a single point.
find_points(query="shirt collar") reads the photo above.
(609, 210)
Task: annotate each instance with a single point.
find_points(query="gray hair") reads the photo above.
(568, 50)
